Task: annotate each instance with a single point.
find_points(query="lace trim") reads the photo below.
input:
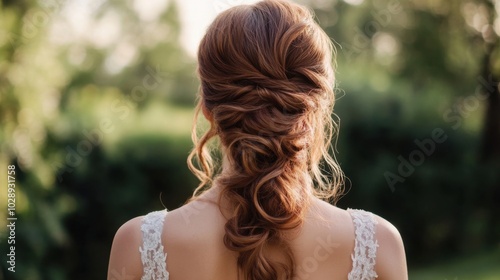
(154, 259)
(365, 247)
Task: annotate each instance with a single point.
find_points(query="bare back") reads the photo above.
(193, 237)
(192, 247)
(323, 248)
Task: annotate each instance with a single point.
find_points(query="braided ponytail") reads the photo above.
(267, 84)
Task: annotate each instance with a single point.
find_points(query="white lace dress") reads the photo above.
(154, 257)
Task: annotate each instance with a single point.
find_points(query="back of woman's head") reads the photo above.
(267, 88)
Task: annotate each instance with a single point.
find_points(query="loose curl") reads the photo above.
(267, 87)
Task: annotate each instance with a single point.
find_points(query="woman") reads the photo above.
(267, 91)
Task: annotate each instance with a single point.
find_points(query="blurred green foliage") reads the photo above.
(98, 125)
(483, 266)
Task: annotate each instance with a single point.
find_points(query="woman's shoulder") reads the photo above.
(125, 259)
(383, 229)
(391, 256)
(131, 232)
(390, 260)
(132, 237)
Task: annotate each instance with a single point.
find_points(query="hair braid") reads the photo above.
(267, 83)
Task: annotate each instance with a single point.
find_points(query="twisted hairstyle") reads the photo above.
(267, 87)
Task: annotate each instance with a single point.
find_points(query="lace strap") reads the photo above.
(153, 257)
(365, 246)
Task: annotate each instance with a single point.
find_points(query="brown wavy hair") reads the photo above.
(267, 88)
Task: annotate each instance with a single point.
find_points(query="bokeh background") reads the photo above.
(96, 106)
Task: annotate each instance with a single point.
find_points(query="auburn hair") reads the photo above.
(267, 88)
